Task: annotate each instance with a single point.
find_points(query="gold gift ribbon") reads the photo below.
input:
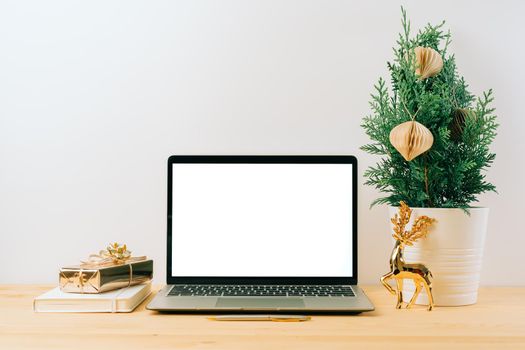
(114, 255)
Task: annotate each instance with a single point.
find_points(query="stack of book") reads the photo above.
(118, 300)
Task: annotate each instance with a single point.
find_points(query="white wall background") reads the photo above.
(94, 96)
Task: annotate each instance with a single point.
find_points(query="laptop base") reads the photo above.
(245, 304)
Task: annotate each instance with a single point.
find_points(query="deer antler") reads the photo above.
(419, 228)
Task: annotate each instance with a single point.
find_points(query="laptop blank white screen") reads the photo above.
(262, 220)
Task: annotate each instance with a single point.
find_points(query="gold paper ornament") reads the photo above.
(459, 118)
(429, 62)
(399, 269)
(411, 139)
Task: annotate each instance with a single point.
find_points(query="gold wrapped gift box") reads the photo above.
(93, 278)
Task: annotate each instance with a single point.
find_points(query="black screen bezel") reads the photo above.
(274, 159)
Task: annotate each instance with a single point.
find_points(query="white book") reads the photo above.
(120, 300)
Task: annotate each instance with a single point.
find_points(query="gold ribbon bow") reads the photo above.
(114, 254)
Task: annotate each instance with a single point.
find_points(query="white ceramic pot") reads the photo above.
(453, 252)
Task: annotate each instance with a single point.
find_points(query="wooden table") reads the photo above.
(496, 322)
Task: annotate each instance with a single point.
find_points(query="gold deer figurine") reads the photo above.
(400, 270)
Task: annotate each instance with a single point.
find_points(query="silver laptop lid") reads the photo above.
(262, 219)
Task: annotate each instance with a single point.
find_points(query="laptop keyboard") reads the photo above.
(261, 290)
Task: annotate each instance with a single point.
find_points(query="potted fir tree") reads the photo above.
(433, 137)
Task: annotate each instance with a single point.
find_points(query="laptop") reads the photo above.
(262, 234)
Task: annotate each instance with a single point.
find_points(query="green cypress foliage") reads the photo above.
(451, 173)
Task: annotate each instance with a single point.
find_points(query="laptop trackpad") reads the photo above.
(260, 302)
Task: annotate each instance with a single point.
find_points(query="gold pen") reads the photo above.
(274, 318)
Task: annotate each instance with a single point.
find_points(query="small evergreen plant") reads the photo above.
(451, 173)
